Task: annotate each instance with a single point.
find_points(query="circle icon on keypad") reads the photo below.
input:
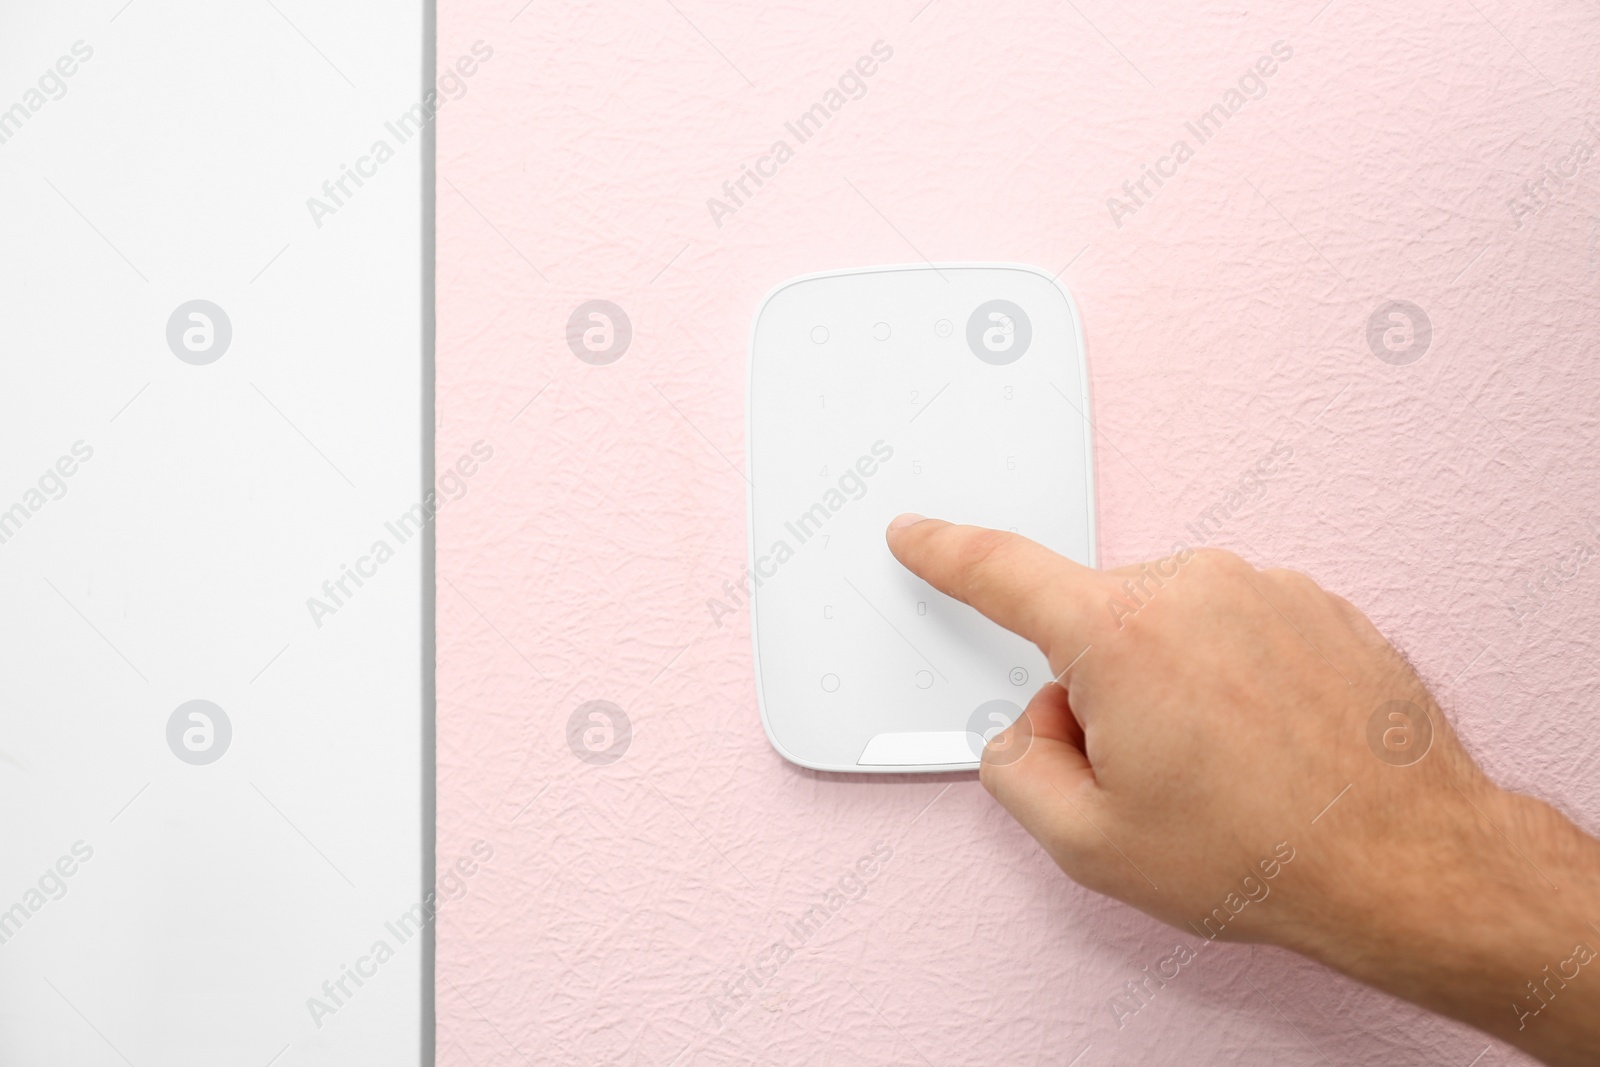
(999, 332)
(1019, 676)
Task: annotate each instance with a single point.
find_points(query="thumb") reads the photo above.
(1035, 764)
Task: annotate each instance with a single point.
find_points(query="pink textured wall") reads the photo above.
(1226, 314)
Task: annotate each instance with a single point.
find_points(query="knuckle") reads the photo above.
(1218, 561)
(1287, 579)
(1295, 584)
(1347, 611)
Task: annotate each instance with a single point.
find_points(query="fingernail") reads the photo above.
(907, 519)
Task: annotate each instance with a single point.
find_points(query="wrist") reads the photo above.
(1491, 916)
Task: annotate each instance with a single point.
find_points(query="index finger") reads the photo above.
(1018, 583)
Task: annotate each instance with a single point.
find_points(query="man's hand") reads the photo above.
(1244, 756)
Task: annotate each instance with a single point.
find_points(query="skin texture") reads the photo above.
(1241, 754)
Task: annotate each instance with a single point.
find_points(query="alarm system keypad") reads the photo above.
(953, 392)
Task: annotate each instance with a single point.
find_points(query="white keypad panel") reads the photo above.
(959, 392)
